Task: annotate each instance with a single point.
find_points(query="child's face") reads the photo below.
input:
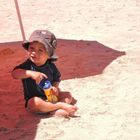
(37, 53)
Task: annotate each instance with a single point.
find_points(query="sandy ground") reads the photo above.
(98, 49)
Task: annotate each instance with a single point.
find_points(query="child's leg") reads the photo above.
(66, 97)
(37, 104)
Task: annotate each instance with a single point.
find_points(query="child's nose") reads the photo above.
(34, 52)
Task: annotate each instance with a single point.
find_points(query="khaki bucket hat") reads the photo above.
(45, 37)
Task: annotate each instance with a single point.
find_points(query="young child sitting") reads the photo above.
(40, 65)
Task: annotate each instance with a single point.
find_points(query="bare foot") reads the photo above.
(69, 108)
(60, 113)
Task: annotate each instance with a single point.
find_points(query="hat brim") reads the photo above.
(25, 45)
(54, 57)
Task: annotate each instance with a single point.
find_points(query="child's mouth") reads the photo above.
(34, 57)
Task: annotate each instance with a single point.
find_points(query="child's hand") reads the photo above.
(37, 76)
(55, 91)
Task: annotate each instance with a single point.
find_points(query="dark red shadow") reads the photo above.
(78, 59)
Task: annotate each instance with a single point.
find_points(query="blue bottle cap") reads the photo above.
(45, 84)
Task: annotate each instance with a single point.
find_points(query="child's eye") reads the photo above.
(40, 50)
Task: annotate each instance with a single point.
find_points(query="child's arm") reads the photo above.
(22, 74)
(55, 88)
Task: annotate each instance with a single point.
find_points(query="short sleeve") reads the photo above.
(56, 73)
(25, 65)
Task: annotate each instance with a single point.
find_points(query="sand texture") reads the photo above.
(99, 58)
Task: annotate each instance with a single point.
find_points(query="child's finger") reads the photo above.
(54, 91)
(38, 81)
(39, 78)
(44, 75)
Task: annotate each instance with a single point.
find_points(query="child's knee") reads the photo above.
(34, 103)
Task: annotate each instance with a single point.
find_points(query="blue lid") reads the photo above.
(45, 84)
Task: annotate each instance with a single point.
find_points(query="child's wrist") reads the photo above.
(28, 73)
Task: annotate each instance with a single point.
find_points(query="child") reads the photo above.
(38, 66)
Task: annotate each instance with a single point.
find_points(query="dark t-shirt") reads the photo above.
(31, 89)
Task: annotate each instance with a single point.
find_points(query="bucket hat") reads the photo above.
(45, 37)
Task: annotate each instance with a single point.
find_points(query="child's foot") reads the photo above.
(60, 113)
(70, 109)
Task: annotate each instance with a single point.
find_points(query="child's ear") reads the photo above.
(25, 45)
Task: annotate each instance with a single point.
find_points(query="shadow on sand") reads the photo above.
(77, 59)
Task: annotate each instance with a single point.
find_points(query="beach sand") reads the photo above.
(98, 49)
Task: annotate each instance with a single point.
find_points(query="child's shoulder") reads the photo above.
(50, 61)
(24, 64)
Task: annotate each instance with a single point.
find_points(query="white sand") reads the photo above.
(102, 71)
